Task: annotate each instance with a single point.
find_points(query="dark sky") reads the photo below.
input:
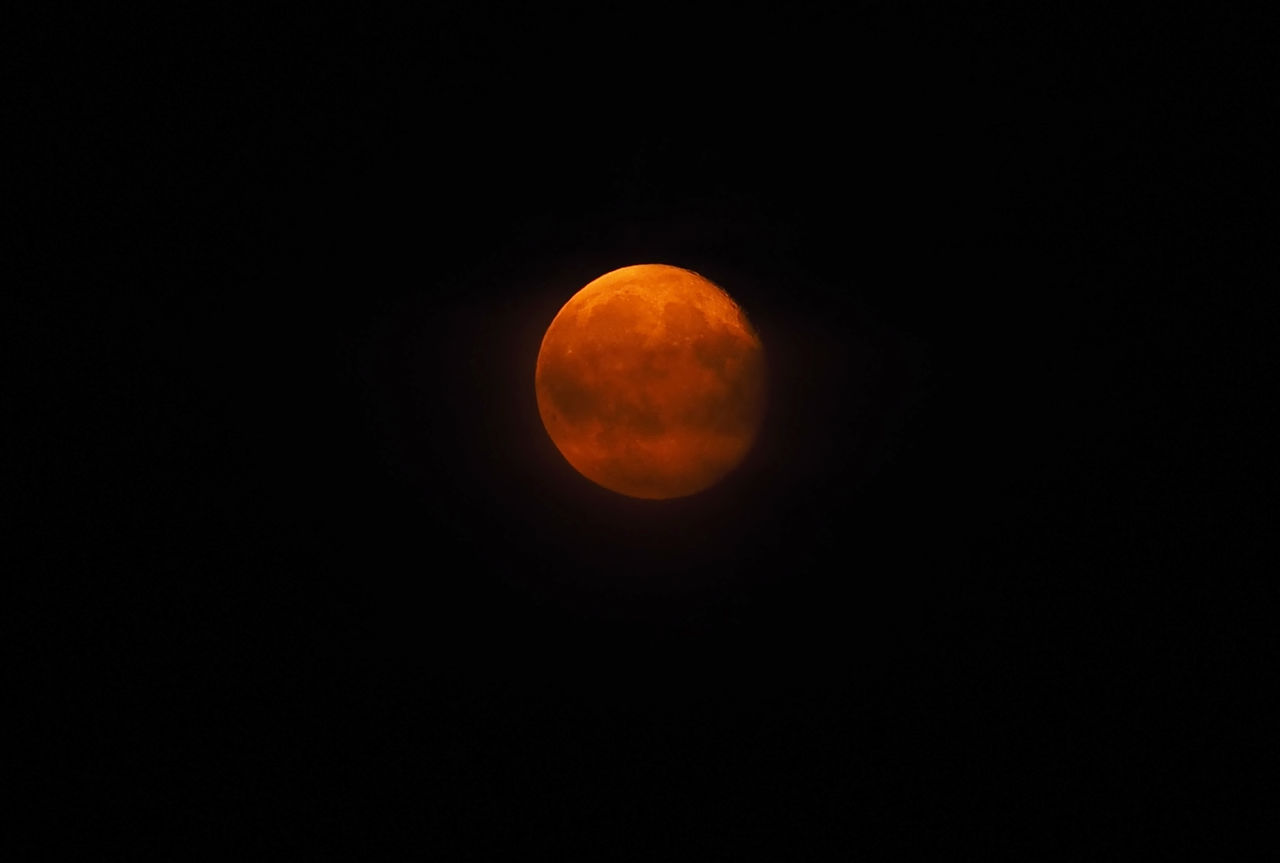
(309, 573)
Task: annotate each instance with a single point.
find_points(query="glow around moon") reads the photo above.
(651, 382)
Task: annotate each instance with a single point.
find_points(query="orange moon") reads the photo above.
(651, 382)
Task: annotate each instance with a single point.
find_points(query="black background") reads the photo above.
(309, 574)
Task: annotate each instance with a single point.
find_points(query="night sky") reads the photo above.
(308, 575)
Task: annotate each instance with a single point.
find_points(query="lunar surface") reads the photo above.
(651, 382)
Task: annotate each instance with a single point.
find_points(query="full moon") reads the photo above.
(651, 382)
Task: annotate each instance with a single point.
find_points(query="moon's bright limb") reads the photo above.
(651, 382)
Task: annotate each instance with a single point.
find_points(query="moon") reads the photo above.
(651, 382)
